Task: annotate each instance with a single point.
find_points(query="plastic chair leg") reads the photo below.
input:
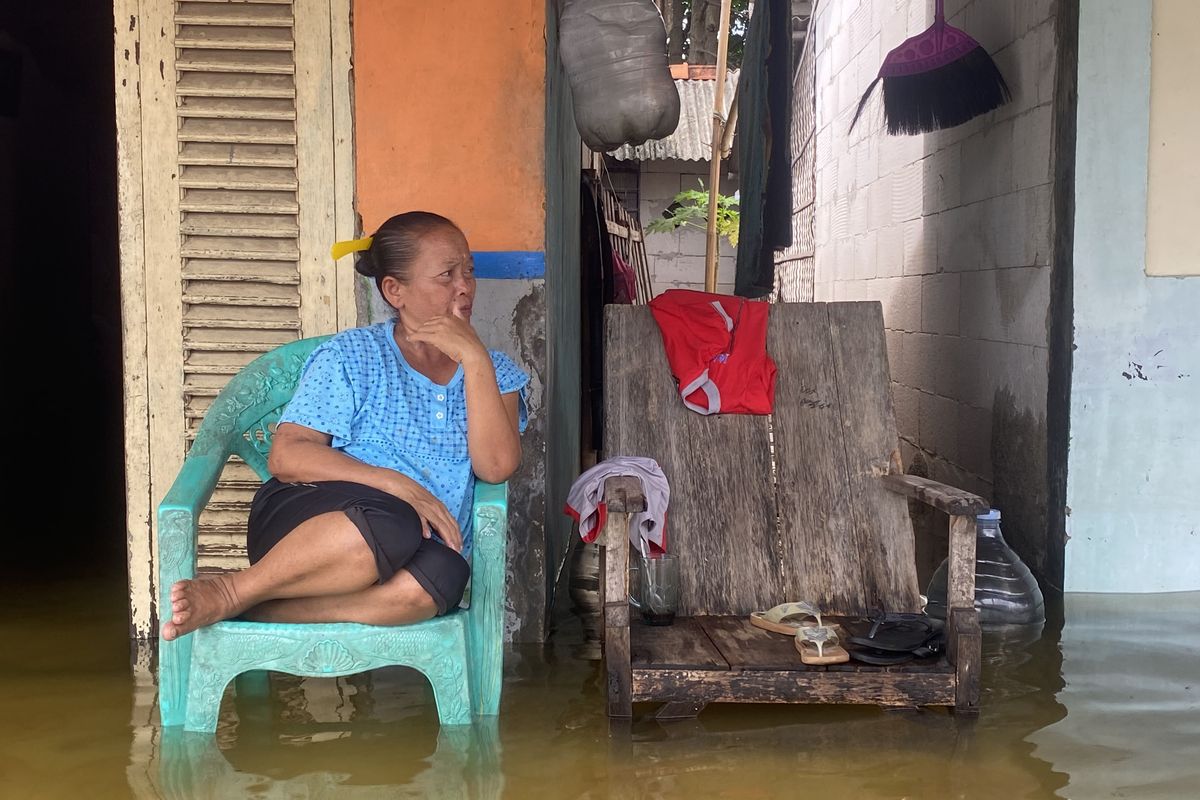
(255, 683)
(452, 694)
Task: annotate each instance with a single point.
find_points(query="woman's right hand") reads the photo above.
(433, 512)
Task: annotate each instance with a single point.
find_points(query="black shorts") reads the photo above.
(389, 525)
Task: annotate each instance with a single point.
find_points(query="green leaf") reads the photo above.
(690, 208)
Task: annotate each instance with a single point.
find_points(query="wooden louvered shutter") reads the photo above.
(245, 184)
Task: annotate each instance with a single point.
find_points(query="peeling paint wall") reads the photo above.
(450, 118)
(1133, 522)
(514, 320)
(510, 315)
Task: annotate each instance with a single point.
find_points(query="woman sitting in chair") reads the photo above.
(367, 518)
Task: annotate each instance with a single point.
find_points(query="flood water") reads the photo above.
(1107, 705)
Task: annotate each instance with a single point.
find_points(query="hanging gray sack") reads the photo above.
(615, 55)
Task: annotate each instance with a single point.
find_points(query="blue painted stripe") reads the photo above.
(496, 264)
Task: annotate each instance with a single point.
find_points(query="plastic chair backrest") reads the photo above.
(243, 417)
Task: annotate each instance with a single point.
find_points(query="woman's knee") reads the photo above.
(429, 586)
(444, 590)
(452, 578)
(406, 600)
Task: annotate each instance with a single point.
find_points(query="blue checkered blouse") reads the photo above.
(358, 388)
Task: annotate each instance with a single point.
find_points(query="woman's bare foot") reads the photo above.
(200, 602)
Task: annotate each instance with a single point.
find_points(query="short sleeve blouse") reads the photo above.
(359, 389)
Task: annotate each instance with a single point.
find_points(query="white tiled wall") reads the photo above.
(951, 231)
(677, 259)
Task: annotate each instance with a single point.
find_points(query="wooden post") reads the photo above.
(614, 567)
(963, 636)
(966, 654)
(712, 249)
(622, 496)
(960, 590)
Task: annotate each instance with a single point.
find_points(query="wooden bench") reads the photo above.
(807, 504)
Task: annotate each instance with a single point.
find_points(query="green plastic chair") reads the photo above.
(460, 653)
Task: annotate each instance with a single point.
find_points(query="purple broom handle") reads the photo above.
(939, 13)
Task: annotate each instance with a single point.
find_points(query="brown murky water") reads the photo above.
(1106, 706)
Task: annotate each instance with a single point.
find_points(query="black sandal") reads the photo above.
(895, 638)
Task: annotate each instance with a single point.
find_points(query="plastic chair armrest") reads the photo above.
(485, 617)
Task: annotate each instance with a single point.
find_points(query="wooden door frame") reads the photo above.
(145, 116)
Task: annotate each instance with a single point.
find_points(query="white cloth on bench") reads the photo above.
(585, 502)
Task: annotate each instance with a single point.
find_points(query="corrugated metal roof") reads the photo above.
(692, 140)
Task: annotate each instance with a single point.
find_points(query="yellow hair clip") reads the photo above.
(353, 246)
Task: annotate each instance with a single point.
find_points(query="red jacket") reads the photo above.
(717, 348)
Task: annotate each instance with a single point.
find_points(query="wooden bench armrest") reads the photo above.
(962, 507)
(623, 495)
(954, 502)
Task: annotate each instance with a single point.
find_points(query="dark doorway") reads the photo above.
(60, 292)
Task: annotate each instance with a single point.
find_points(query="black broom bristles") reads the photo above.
(940, 98)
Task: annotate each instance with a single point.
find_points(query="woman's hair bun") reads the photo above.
(365, 264)
(396, 245)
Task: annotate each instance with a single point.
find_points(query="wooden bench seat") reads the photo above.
(721, 658)
(808, 504)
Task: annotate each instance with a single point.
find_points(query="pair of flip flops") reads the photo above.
(889, 638)
(817, 644)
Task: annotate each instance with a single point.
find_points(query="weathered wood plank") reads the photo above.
(616, 615)
(614, 565)
(961, 580)
(616, 660)
(163, 265)
(820, 558)
(343, 154)
(683, 645)
(744, 646)
(317, 190)
(749, 686)
(614, 562)
(942, 497)
(966, 641)
(722, 523)
(138, 496)
(883, 530)
(623, 493)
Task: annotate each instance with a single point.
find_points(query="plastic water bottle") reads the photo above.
(1006, 593)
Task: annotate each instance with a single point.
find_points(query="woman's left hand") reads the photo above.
(451, 334)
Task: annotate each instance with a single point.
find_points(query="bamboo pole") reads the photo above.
(730, 124)
(712, 247)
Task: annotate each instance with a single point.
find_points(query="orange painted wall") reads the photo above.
(449, 107)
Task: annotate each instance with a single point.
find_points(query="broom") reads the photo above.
(937, 79)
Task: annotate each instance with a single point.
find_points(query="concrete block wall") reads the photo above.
(952, 233)
(676, 259)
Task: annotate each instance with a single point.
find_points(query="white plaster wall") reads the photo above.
(951, 232)
(1173, 196)
(676, 259)
(1134, 522)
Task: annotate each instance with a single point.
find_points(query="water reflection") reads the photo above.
(365, 736)
(375, 735)
(1131, 697)
(1108, 707)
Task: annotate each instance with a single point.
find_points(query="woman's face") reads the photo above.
(441, 280)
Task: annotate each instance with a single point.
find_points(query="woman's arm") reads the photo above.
(303, 455)
(493, 430)
(493, 437)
